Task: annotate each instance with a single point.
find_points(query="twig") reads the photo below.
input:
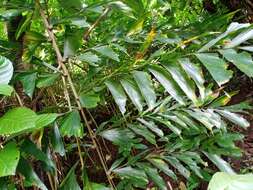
(94, 25)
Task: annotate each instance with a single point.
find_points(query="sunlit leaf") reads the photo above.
(9, 157)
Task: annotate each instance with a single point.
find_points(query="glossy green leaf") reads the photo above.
(152, 126)
(163, 166)
(176, 164)
(216, 66)
(6, 70)
(44, 120)
(31, 178)
(235, 118)
(222, 180)
(89, 100)
(9, 13)
(118, 94)
(117, 135)
(133, 92)
(70, 182)
(28, 81)
(168, 83)
(234, 26)
(46, 80)
(168, 124)
(107, 52)
(135, 175)
(146, 87)
(89, 58)
(242, 61)
(72, 42)
(195, 73)
(9, 157)
(191, 164)
(241, 38)
(6, 90)
(153, 175)
(71, 125)
(97, 186)
(143, 131)
(56, 141)
(220, 163)
(17, 120)
(30, 148)
(182, 80)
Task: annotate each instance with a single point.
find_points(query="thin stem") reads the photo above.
(73, 89)
(93, 26)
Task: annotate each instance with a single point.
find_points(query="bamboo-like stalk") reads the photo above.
(66, 74)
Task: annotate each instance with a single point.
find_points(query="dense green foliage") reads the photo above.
(134, 91)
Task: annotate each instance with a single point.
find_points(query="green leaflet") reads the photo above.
(23, 119)
(6, 90)
(90, 58)
(72, 42)
(71, 125)
(46, 80)
(9, 157)
(163, 166)
(143, 131)
(89, 100)
(135, 175)
(118, 94)
(6, 70)
(183, 81)
(107, 52)
(176, 164)
(234, 26)
(133, 92)
(216, 66)
(152, 126)
(222, 180)
(70, 182)
(235, 118)
(195, 72)
(31, 178)
(168, 83)
(56, 141)
(244, 36)
(220, 163)
(146, 87)
(28, 81)
(153, 174)
(118, 135)
(243, 61)
(30, 148)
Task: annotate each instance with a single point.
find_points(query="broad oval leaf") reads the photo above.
(222, 180)
(9, 157)
(6, 90)
(6, 70)
(17, 120)
(71, 125)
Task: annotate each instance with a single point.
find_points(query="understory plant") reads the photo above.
(118, 94)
